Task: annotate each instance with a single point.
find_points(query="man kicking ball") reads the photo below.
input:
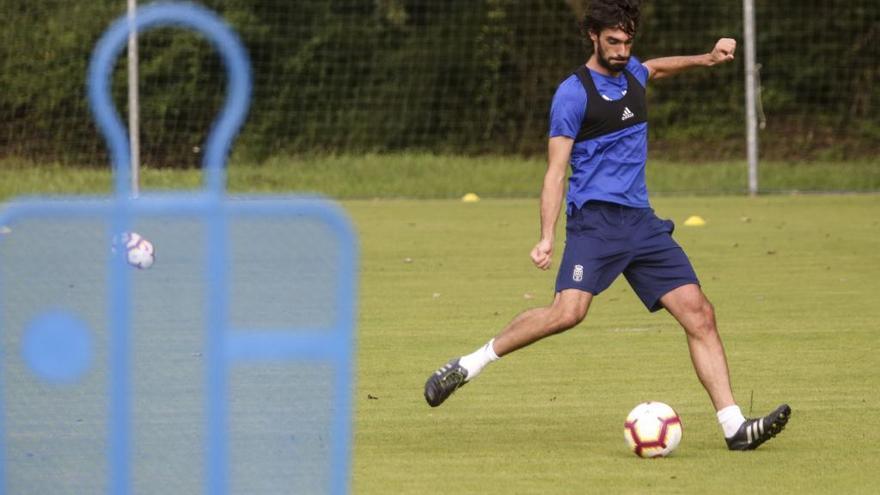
(598, 125)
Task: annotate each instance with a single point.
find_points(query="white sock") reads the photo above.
(730, 418)
(477, 360)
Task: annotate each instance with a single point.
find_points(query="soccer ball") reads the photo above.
(139, 252)
(652, 429)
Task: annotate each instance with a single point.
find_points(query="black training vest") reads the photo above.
(603, 116)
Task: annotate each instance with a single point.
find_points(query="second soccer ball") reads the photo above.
(139, 251)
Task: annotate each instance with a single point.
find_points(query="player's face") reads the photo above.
(613, 47)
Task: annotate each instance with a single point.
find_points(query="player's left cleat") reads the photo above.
(756, 431)
(440, 385)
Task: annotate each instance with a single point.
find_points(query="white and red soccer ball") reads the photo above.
(652, 429)
(139, 252)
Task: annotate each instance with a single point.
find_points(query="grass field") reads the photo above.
(793, 278)
(426, 176)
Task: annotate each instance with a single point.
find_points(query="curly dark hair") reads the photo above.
(610, 14)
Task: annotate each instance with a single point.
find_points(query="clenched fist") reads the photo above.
(541, 254)
(723, 51)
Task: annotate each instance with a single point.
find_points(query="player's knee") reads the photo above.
(568, 317)
(703, 316)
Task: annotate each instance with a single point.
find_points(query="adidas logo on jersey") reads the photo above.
(627, 114)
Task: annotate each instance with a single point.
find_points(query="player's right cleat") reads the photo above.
(440, 385)
(756, 431)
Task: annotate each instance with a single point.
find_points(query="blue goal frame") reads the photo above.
(224, 345)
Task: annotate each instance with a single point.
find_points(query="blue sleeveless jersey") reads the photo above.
(609, 167)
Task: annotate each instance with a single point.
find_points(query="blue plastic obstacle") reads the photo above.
(226, 367)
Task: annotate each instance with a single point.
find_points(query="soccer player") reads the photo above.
(598, 124)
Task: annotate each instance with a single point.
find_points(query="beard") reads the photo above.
(615, 65)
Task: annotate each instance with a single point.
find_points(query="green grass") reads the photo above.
(426, 176)
(794, 281)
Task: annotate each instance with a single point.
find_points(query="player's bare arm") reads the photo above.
(558, 152)
(723, 51)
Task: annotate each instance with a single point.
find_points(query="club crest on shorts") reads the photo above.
(578, 273)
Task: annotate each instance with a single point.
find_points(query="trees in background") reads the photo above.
(450, 76)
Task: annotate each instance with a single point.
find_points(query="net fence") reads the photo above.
(443, 76)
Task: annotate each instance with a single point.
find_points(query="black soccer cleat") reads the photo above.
(756, 431)
(440, 385)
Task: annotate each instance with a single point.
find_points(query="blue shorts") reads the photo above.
(604, 240)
